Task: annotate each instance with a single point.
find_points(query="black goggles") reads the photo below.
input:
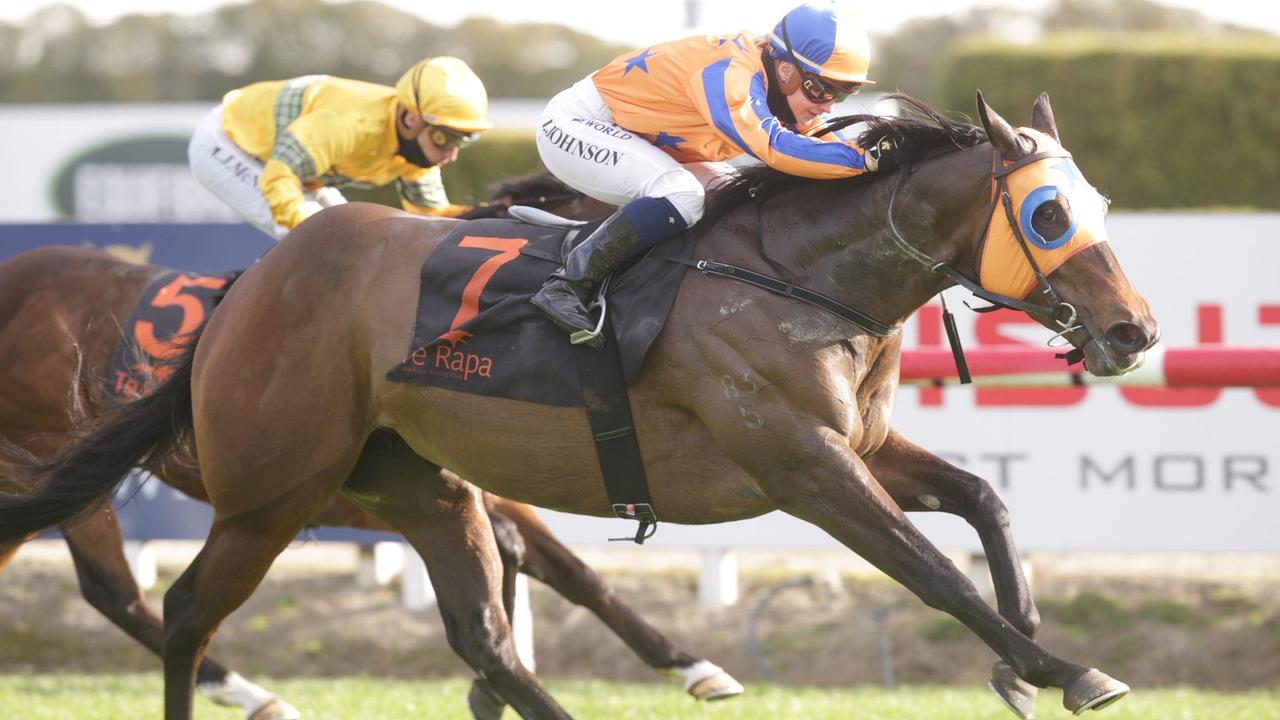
(443, 137)
(815, 88)
(825, 91)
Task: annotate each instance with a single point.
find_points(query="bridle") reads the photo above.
(1058, 312)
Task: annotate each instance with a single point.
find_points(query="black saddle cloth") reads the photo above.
(173, 304)
(476, 331)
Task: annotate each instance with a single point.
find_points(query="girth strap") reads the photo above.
(604, 392)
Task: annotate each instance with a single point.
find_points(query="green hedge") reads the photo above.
(1156, 121)
(498, 156)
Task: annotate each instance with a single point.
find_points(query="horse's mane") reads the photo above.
(919, 132)
(537, 185)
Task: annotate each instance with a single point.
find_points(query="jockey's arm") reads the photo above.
(732, 98)
(303, 151)
(422, 192)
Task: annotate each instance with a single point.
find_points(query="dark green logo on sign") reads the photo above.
(140, 179)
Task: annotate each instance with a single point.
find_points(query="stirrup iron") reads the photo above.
(593, 337)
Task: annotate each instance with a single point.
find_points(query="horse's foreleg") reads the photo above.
(443, 518)
(108, 585)
(918, 480)
(548, 560)
(835, 491)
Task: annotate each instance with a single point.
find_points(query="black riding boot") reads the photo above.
(563, 297)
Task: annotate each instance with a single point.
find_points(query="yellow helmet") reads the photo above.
(445, 92)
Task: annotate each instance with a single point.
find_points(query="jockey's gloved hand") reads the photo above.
(329, 196)
(309, 208)
(880, 154)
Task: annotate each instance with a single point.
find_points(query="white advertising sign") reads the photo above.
(125, 162)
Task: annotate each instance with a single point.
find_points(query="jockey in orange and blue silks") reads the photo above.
(643, 130)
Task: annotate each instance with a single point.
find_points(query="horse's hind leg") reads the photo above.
(483, 699)
(444, 519)
(234, 559)
(836, 491)
(548, 560)
(108, 585)
(918, 480)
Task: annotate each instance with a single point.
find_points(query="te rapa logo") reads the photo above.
(443, 355)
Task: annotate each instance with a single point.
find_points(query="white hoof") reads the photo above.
(258, 704)
(707, 681)
(274, 709)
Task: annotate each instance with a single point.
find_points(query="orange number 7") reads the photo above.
(508, 249)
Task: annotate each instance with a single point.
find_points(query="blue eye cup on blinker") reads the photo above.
(1030, 204)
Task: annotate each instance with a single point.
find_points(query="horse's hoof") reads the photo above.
(1093, 690)
(1017, 694)
(484, 701)
(274, 709)
(707, 681)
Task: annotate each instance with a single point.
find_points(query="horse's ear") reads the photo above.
(1011, 144)
(1042, 117)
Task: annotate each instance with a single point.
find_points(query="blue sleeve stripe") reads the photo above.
(721, 114)
(794, 144)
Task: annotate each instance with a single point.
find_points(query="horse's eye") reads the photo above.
(1052, 218)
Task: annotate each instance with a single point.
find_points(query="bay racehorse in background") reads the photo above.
(62, 310)
(747, 402)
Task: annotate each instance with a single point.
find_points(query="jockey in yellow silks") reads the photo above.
(640, 132)
(276, 151)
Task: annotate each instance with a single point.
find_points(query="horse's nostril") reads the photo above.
(1127, 337)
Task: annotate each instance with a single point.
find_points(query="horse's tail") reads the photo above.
(86, 474)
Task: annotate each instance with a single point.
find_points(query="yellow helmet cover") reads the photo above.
(445, 92)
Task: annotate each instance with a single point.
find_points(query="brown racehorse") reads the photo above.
(768, 402)
(61, 310)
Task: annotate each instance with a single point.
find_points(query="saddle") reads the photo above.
(476, 331)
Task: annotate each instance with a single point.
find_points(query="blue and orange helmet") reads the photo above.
(823, 40)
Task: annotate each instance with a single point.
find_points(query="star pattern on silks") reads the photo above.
(737, 40)
(665, 140)
(639, 61)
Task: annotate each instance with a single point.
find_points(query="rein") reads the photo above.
(1059, 312)
(996, 299)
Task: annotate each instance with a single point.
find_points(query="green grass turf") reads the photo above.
(128, 697)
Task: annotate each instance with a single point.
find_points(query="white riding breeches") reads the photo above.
(580, 144)
(232, 174)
